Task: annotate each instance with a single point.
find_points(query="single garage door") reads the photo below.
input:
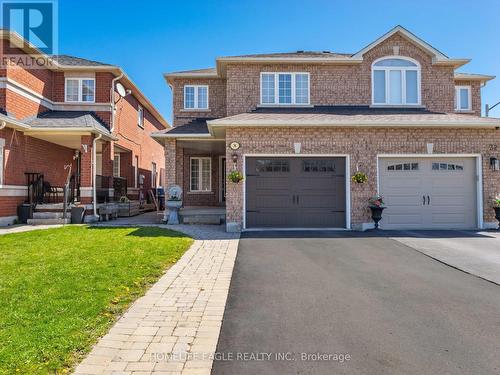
(428, 193)
(291, 192)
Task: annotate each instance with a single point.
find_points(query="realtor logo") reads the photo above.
(35, 21)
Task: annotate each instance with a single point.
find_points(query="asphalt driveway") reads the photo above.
(368, 304)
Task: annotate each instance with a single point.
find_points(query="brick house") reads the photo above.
(66, 121)
(300, 125)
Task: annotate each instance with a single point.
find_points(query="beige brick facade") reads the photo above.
(331, 84)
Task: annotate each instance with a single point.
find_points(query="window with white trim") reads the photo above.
(200, 174)
(395, 81)
(140, 117)
(80, 90)
(116, 166)
(195, 97)
(2, 147)
(284, 88)
(463, 101)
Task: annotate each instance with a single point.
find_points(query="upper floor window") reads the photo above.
(80, 90)
(396, 81)
(284, 88)
(140, 117)
(463, 100)
(195, 97)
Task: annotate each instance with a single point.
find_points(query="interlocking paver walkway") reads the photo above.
(174, 328)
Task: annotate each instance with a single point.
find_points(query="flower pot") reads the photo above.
(376, 214)
(497, 215)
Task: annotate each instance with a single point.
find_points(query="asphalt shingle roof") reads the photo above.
(197, 126)
(298, 54)
(68, 120)
(67, 60)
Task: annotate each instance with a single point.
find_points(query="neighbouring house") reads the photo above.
(299, 125)
(74, 122)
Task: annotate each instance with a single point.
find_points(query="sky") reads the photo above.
(149, 38)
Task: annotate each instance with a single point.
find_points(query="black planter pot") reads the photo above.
(376, 214)
(497, 215)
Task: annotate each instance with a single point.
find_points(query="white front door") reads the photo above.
(428, 193)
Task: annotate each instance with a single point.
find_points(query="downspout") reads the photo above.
(94, 174)
(112, 101)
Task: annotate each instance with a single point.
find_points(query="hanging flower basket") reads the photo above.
(359, 178)
(235, 177)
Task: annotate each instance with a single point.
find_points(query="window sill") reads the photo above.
(285, 106)
(200, 192)
(397, 106)
(465, 111)
(196, 110)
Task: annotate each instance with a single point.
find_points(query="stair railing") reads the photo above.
(66, 190)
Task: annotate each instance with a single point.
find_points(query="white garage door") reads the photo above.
(428, 193)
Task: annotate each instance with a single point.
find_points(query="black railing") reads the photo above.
(35, 184)
(120, 187)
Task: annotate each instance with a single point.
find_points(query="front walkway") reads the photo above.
(174, 328)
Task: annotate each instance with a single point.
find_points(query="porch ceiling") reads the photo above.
(73, 140)
(215, 146)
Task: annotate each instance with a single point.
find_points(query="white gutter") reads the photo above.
(94, 174)
(112, 101)
(3, 125)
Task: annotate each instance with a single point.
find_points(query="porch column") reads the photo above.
(86, 169)
(108, 155)
(170, 162)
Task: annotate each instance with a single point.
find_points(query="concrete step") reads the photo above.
(48, 215)
(48, 221)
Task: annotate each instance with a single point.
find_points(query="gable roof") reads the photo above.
(320, 57)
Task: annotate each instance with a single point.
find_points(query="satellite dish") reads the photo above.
(121, 90)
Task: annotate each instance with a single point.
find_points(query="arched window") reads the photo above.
(396, 81)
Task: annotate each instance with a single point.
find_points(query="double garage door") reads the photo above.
(310, 192)
(293, 192)
(429, 193)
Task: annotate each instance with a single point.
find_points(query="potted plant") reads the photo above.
(359, 178)
(377, 206)
(235, 176)
(496, 207)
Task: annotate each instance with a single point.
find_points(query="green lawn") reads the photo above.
(61, 289)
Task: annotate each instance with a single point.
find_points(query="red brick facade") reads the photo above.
(29, 92)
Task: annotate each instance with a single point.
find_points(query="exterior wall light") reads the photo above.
(494, 164)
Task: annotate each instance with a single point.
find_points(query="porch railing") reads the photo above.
(120, 187)
(35, 185)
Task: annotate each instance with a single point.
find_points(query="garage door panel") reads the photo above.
(295, 192)
(448, 184)
(406, 219)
